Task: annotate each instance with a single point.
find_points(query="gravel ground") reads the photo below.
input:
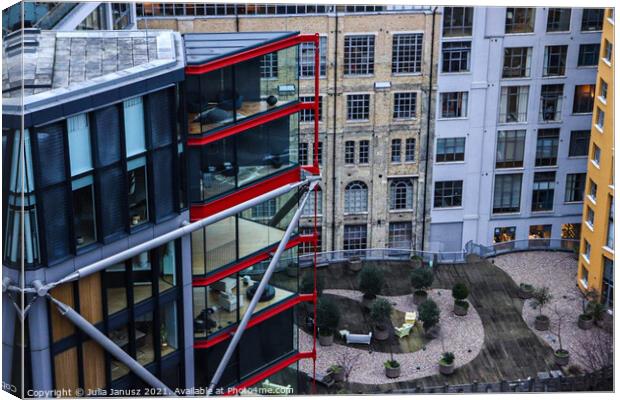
(558, 271)
(463, 336)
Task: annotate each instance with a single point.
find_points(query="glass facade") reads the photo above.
(237, 161)
(228, 95)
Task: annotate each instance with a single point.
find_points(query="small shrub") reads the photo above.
(421, 278)
(540, 298)
(371, 282)
(447, 358)
(391, 364)
(307, 284)
(428, 314)
(460, 291)
(526, 287)
(381, 312)
(597, 310)
(328, 316)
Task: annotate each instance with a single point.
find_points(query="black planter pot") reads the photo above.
(525, 293)
(326, 340)
(541, 323)
(561, 357)
(446, 369)
(585, 322)
(392, 372)
(460, 308)
(380, 334)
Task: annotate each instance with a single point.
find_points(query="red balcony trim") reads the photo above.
(246, 124)
(243, 264)
(270, 312)
(311, 169)
(248, 54)
(200, 211)
(269, 371)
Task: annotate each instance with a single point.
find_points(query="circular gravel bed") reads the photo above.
(463, 336)
(558, 271)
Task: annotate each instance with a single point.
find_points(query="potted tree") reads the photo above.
(598, 311)
(446, 363)
(371, 283)
(428, 313)
(561, 355)
(421, 279)
(355, 263)
(525, 291)
(380, 314)
(460, 293)
(337, 372)
(328, 317)
(540, 298)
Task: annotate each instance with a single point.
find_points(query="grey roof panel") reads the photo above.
(203, 48)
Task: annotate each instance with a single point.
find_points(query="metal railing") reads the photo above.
(521, 245)
(329, 257)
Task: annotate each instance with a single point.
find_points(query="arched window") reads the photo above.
(356, 197)
(401, 194)
(309, 207)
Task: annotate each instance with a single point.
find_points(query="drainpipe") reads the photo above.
(428, 129)
(334, 183)
(259, 291)
(111, 347)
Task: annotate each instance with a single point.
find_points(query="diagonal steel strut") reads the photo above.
(259, 292)
(110, 346)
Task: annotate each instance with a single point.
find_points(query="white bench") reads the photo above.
(353, 338)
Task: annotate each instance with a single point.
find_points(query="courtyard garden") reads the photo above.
(389, 326)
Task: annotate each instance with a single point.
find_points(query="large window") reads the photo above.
(579, 143)
(401, 194)
(558, 20)
(513, 104)
(504, 234)
(555, 60)
(608, 282)
(596, 155)
(592, 19)
(520, 20)
(457, 21)
(543, 191)
(137, 191)
(517, 62)
(405, 105)
(450, 149)
(547, 147)
(358, 107)
(400, 235)
(575, 187)
(507, 193)
(588, 55)
(607, 50)
(308, 210)
(610, 224)
(306, 58)
(510, 148)
(599, 122)
(583, 101)
(407, 53)
(396, 150)
(448, 194)
(602, 92)
(356, 198)
(355, 237)
(455, 56)
(303, 154)
(359, 55)
(269, 66)
(551, 103)
(454, 104)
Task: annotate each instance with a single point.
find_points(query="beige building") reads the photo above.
(376, 66)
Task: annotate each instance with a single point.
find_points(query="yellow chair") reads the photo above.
(411, 317)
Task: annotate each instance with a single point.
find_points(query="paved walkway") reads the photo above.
(558, 271)
(461, 335)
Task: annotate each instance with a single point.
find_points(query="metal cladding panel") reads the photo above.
(202, 48)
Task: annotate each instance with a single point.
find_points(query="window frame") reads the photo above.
(407, 53)
(359, 58)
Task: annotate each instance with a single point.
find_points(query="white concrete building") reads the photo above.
(514, 108)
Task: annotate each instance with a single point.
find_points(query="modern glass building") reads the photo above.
(243, 105)
(113, 142)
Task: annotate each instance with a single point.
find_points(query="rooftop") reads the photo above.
(203, 48)
(62, 66)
